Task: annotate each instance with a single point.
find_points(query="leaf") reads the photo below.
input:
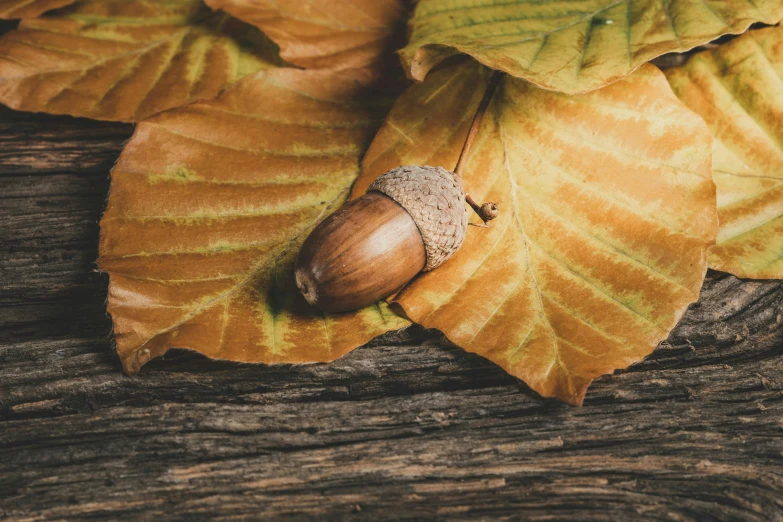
(326, 34)
(575, 46)
(208, 207)
(607, 209)
(120, 60)
(738, 89)
(11, 9)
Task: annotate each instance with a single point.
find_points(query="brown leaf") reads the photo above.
(572, 46)
(11, 9)
(120, 60)
(738, 89)
(326, 34)
(607, 209)
(208, 207)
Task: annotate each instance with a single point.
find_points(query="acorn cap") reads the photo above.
(435, 199)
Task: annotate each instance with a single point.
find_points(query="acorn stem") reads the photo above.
(487, 211)
(470, 201)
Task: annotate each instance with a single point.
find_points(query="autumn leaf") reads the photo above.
(11, 9)
(327, 34)
(737, 89)
(208, 207)
(120, 60)
(572, 47)
(607, 209)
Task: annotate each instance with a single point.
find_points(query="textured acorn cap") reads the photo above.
(435, 199)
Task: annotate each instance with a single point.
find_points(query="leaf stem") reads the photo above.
(487, 211)
(474, 127)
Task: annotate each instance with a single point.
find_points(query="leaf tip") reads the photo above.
(132, 363)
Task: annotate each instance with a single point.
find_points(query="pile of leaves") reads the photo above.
(258, 118)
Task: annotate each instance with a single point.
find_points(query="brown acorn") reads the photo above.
(411, 219)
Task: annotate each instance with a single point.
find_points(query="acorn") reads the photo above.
(411, 219)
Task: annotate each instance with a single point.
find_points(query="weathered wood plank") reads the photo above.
(408, 427)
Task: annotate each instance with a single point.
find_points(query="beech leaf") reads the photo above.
(572, 47)
(121, 60)
(327, 34)
(11, 9)
(738, 89)
(607, 209)
(207, 210)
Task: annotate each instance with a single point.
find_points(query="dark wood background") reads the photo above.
(408, 427)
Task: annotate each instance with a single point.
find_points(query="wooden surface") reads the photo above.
(407, 428)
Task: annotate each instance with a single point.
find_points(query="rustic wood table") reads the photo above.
(408, 427)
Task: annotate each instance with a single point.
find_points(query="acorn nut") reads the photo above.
(411, 219)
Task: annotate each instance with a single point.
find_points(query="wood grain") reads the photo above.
(406, 428)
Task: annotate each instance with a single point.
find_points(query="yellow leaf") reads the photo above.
(575, 46)
(10, 9)
(738, 90)
(326, 34)
(607, 209)
(121, 60)
(208, 207)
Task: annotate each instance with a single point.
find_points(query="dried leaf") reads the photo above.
(607, 209)
(738, 89)
(11, 9)
(572, 47)
(120, 60)
(326, 34)
(208, 207)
